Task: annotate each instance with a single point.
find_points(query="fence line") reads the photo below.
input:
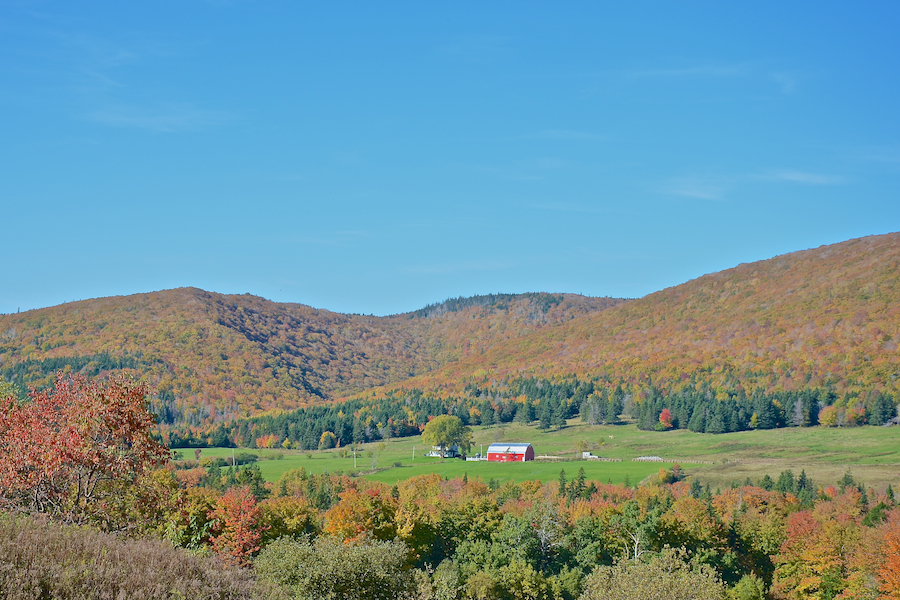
(672, 460)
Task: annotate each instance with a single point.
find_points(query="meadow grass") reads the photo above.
(872, 454)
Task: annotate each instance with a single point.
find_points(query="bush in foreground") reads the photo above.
(329, 569)
(664, 576)
(46, 560)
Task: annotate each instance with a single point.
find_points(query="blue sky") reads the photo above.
(377, 157)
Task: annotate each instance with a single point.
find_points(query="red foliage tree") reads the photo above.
(665, 418)
(238, 529)
(68, 451)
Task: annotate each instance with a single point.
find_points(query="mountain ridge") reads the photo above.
(824, 317)
(747, 326)
(217, 356)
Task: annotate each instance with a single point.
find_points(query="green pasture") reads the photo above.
(872, 454)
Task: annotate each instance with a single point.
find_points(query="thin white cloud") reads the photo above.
(806, 177)
(334, 239)
(565, 207)
(704, 70)
(787, 81)
(481, 47)
(165, 118)
(535, 169)
(565, 134)
(885, 154)
(717, 188)
(95, 73)
(693, 187)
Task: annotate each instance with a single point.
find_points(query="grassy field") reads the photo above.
(872, 454)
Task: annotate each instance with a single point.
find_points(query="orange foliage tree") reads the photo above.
(890, 571)
(665, 418)
(238, 530)
(362, 514)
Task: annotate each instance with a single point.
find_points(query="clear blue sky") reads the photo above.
(375, 157)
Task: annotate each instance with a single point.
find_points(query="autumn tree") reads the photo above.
(69, 451)
(237, 530)
(665, 419)
(445, 431)
(890, 570)
(361, 515)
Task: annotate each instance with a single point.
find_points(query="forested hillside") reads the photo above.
(213, 356)
(822, 318)
(825, 319)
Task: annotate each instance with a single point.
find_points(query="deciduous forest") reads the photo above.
(97, 394)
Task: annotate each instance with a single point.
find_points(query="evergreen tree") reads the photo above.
(546, 415)
(558, 417)
(766, 413)
(525, 413)
(803, 481)
(616, 405)
(578, 487)
(716, 422)
(786, 483)
(696, 489)
(697, 423)
(487, 415)
(810, 408)
(881, 409)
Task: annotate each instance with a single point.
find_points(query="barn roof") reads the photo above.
(508, 447)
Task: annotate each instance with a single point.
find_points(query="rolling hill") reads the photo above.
(827, 317)
(214, 356)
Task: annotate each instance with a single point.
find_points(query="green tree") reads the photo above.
(558, 417)
(7, 389)
(329, 569)
(445, 431)
(546, 415)
(615, 406)
(665, 575)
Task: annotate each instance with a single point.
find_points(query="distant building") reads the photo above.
(451, 452)
(505, 452)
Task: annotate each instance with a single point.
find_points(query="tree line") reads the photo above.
(545, 404)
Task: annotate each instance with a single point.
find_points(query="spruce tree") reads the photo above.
(546, 415)
(558, 417)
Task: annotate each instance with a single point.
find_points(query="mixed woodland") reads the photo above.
(95, 395)
(92, 506)
(826, 318)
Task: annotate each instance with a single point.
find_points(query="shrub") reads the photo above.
(664, 575)
(749, 587)
(329, 569)
(64, 562)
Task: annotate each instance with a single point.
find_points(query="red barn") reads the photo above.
(505, 452)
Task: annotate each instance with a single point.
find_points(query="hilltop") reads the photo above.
(822, 318)
(826, 317)
(213, 356)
